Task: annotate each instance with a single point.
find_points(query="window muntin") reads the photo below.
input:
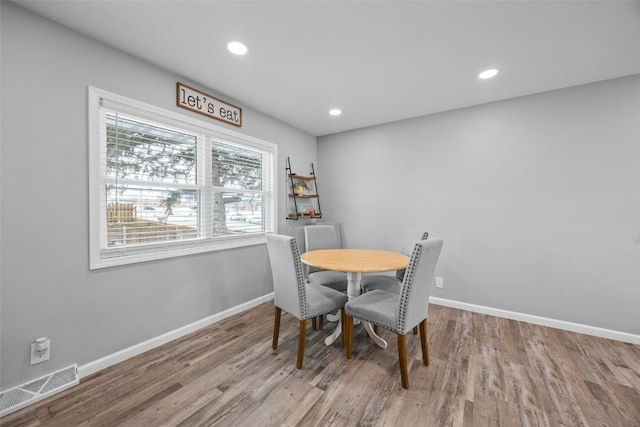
(165, 185)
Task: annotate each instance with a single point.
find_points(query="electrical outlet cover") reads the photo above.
(38, 357)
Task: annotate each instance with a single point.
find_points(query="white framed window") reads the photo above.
(165, 185)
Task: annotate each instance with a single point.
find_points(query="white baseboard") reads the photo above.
(537, 320)
(122, 355)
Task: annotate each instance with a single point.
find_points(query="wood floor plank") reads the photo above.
(270, 411)
(525, 397)
(229, 413)
(483, 371)
(629, 399)
(449, 403)
(178, 406)
(347, 395)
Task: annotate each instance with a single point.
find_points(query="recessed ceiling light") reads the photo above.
(237, 48)
(487, 74)
(335, 112)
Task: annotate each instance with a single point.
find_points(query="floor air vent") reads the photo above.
(33, 391)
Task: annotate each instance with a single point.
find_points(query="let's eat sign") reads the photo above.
(210, 106)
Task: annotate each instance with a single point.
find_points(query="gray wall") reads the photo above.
(537, 199)
(46, 288)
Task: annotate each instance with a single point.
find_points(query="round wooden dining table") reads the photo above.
(355, 262)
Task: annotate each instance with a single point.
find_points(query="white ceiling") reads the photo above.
(378, 61)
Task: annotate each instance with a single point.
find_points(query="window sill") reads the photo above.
(132, 255)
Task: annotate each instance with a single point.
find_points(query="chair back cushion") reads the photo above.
(321, 237)
(411, 236)
(297, 231)
(288, 277)
(416, 286)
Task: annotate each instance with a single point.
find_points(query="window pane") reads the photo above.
(146, 152)
(139, 215)
(236, 168)
(240, 213)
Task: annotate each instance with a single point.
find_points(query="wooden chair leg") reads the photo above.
(314, 325)
(376, 330)
(321, 321)
(343, 320)
(424, 342)
(415, 330)
(402, 358)
(276, 327)
(301, 338)
(348, 334)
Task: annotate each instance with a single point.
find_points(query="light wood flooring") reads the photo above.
(484, 371)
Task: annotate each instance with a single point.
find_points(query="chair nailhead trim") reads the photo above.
(302, 292)
(302, 283)
(406, 287)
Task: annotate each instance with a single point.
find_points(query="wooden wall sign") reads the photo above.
(210, 106)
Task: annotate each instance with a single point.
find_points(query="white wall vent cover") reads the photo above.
(38, 389)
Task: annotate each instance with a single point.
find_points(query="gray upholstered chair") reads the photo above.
(293, 294)
(401, 312)
(389, 283)
(324, 236)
